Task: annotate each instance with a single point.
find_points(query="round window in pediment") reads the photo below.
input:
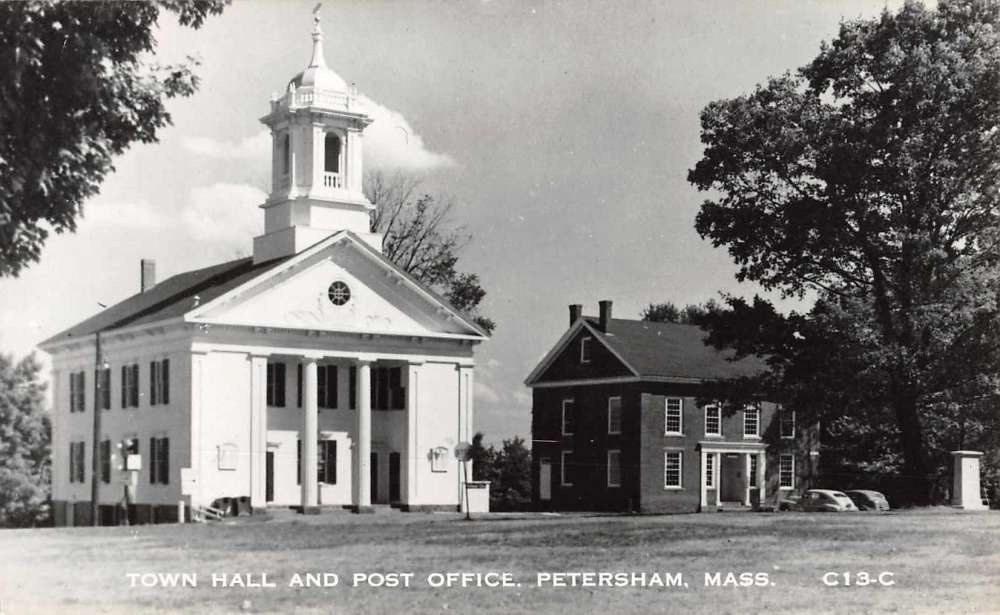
(339, 293)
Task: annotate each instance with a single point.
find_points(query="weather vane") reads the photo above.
(316, 9)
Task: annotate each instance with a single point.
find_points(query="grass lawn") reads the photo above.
(941, 561)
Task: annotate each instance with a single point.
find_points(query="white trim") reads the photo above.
(618, 455)
(680, 422)
(562, 425)
(756, 433)
(562, 469)
(585, 356)
(710, 470)
(584, 382)
(619, 431)
(718, 409)
(781, 423)
(560, 345)
(680, 469)
(781, 458)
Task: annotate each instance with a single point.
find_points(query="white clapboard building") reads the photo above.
(314, 373)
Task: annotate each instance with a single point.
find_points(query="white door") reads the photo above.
(545, 479)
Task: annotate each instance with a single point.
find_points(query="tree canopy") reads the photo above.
(77, 88)
(24, 444)
(690, 314)
(869, 179)
(421, 237)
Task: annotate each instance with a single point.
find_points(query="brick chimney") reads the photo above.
(147, 274)
(575, 313)
(605, 314)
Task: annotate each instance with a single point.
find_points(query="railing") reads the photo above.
(206, 513)
(306, 96)
(333, 180)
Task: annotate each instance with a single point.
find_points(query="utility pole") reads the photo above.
(95, 449)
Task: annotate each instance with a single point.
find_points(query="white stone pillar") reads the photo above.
(966, 492)
(746, 482)
(363, 440)
(310, 438)
(704, 474)
(761, 476)
(258, 431)
(465, 433)
(197, 436)
(410, 478)
(717, 470)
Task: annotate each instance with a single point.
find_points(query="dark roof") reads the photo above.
(171, 298)
(664, 349)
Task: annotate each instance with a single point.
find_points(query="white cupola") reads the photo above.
(316, 175)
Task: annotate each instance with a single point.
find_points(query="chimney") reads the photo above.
(605, 314)
(575, 313)
(147, 274)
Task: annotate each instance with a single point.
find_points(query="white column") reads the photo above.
(363, 440)
(197, 441)
(464, 422)
(704, 489)
(761, 474)
(258, 430)
(310, 437)
(746, 482)
(717, 470)
(411, 490)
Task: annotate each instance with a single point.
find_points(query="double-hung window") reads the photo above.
(673, 416)
(77, 453)
(787, 423)
(159, 382)
(326, 463)
(585, 343)
(672, 466)
(565, 471)
(159, 461)
(326, 386)
(130, 386)
(568, 424)
(713, 420)
(105, 461)
(786, 471)
(751, 421)
(615, 415)
(614, 468)
(276, 385)
(77, 392)
(104, 378)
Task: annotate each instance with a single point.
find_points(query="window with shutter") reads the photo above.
(165, 381)
(152, 461)
(105, 461)
(352, 402)
(164, 461)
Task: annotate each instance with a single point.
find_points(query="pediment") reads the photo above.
(297, 295)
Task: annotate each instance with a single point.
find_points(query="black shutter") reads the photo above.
(269, 388)
(298, 385)
(166, 381)
(321, 386)
(331, 462)
(332, 391)
(135, 385)
(152, 461)
(152, 383)
(352, 386)
(106, 461)
(396, 389)
(81, 465)
(72, 462)
(124, 388)
(165, 461)
(298, 462)
(280, 390)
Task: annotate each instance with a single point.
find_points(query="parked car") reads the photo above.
(818, 500)
(866, 499)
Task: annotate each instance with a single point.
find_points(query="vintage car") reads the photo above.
(865, 499)
(818, 500)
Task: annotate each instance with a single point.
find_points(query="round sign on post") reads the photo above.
(463, 451)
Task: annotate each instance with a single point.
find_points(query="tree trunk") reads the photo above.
(915, 479)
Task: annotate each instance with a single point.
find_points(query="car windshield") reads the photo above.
(838, 495)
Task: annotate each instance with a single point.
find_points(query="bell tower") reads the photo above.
(316, 175)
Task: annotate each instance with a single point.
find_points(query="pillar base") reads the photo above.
(309, 510)
(363, 510)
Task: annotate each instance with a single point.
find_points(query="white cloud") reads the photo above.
(484, 392)
(139, 215)
(257, 147)
(224, 213)
(522, 398)
(390, 142)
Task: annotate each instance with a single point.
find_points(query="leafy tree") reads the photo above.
(870, 178)
(668, 312)
(76, 89)
(24, 444)
(508, 470)
(421, 238)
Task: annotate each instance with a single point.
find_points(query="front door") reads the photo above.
(545, 479)
(733, 469)
(374, 483)
(269, 477)
(394, 490)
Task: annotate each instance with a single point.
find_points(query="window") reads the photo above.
(710, 470)
(672, 461)
(331, 153)
(753, 471)
(159, 382)
(786, 471)
(104, 395)
(326, 386)
(585, 349)
(352, 386)
(130, 386)
(276, 385)
(339, 293)
(565, 471)
(159, 461)
(614, 468)
(327, 462)
(298, 385)
(77, 452)
(751, 421)
(286, 155)
(105, 461)
(77, 392)
(673, 413)
(615, 415)
(567, 417)
(787, 423)
(713, 420)
(388, 392)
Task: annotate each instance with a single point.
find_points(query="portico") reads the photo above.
(732, 472)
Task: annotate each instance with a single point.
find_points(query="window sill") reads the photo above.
(673, 434)
(786, 488)
(673, 488)
(714, 435)
(746, 437)
(614, 433)
(787, 437)
(614, 486)
(566, 485)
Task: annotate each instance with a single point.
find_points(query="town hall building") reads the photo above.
(314, 373)
(619, 423)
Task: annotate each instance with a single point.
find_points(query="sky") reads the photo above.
(563, 132)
